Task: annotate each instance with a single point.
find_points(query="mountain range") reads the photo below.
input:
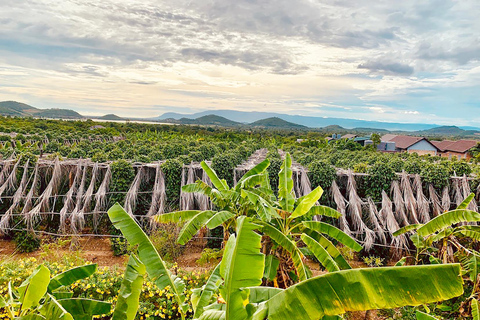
(255, 119)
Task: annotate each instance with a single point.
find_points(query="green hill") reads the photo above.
(18, 109)
(208, 120)
(111, 116)
(448, 131)
(275, 122)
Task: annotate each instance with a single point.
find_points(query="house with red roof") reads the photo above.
(459, 149)
(410, 144)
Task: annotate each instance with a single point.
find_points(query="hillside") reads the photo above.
(111, 116)
(207, 120)
(448, 131)
(13, 108)
(275, 122)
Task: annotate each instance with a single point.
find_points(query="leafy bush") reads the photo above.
(460, 168)
(321, 174)
(164, 238)
(172, 169)
(119, 246)
(380, 178)
(122, 177)
(360, 168)
(27, 241)
(436, 174)
(210, 256)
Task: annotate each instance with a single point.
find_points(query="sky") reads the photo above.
(396, 61)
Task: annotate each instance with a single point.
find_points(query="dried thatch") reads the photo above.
(131, 196)
(374, 221)
(203, 201)
(29, 199)
(422, 202)
(458, 191)
(101, 196)
(87, 199)
(78, 220)
(187, 200)
(400, 215)
(5, 173)
(11, 182)
(17, 197)
(341, 207)
(446, 203)
(391, 223)
(409, 198)
(305, 184)
(158, 195)
(436, 204)
(69, 202)
(466, 192)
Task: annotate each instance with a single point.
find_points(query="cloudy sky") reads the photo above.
(402, 61)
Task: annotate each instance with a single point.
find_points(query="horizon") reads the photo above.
(392, 62)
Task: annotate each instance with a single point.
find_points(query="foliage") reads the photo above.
(436, 174)
(164, 239)
(321, 174)
(209, 256)
(373, 261)
(27, 241)
(122, 176)
(172, 169)
(380, 178)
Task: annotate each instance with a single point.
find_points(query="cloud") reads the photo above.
(391, 68)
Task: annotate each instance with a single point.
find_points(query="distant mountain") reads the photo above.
(111, 116)
(312, 122)
(275, 122)
(448, 131)
(207, 120)
(13, 108)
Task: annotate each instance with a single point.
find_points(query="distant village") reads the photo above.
(459, 149)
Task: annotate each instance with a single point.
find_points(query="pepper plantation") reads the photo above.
(281, 229)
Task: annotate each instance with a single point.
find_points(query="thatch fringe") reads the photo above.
(391, 223)
(11, 181)
(436, 204)
(29, 199)
(409, 198)
(187, 199)
(446, 203)
(69, 203)
(101, 196)
(374, 221)
(466, 192)
(305, 184)
(423, 205)
(78, 219)
(87, 199)
(158, 194)
(5, 173)
(458, 191)
(204, 202)
(131, 196)
(399, 205)
(341, 207)
(43, 200)
(17, 197)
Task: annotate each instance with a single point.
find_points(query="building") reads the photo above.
(455, 149)
(349, 136)
(410, 144)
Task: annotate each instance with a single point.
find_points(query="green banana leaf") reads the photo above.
(333, 232)
(467, 201)
(365, 289)
(70, 276)
(307, 203)
(176, 216)
(331, 249)
(271, 267)
(475, 309)
(192, 226)
(320, 253)
(470, 263)
(147, 253)
(410, 227)
(446, 220)
(323, 211)
(217, 183)
(52, 309)
(130, 290)
(218, 219)
(263, 208)
(85, 309)
(202, 297)
(241, 267)
(258, 169)
(34, 287)
(285, 185)
(261, 294)
(424, 316)
(290, 246)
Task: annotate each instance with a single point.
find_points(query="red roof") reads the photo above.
(404, 142)
(442, 145)
(461, 146)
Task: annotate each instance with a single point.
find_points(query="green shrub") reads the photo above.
(321, 174)
(210, 256)
(360, 168)
(172, 169)
(164, 239)
(119, 246)
(380, 177)
(436, 174)
(27, 241)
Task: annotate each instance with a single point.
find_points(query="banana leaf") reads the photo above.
(323, 211)
(256, 170)
(52, 309)
(467, 201)
(217, 183)
(263, 208)
(285, 185)
(447, 220)
(365, 289)
(85, 309)
(34, 287)
(202, 297)
(218, 219)
(176, 216)
(70, 276)
(410, 227)
(424, 316)
(127, 300)
(307, 203)
(475, 309)
(333, 232)
(192, 226)
(271, 267)
(320, 253)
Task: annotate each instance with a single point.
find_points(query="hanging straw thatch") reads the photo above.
(466, 192)
(203, 201)
(69, 202)
(374, 221)
(187, 200)
(446, 203)
(391, 224)
(399, 205)
(101, 196)
(341, 207)
(17, 197)
(5, 173)
(131, 196)
(44, 199)
(11, 181)
(422, 202)
(436, 204)
(158, 194)
(305, 184)
(87, 199)
(458, 191)
(78, 220)
(409, 198)
(29, 199)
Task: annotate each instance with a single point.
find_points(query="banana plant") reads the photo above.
(235, 282)
(40, 297)
(228, 202)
